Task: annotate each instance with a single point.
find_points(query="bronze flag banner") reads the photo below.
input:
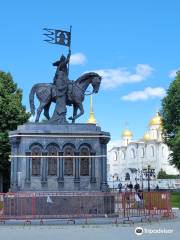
(56, 36)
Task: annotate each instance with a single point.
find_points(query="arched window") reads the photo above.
(127, 177)
(116, 177)
(36, 161)
(84, 161)
(115, 155)
(152, 151)
(68, 161)
(141, 152)
(52, 162)
(132, 153)
(122, 155)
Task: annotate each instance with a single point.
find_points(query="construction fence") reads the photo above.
(58, 205)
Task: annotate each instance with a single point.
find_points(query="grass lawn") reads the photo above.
(175, 199)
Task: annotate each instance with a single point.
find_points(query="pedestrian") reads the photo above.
(136, 187)
(139, 199)
(130, 186)
(120, 186)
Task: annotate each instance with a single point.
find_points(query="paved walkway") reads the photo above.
(92, 232)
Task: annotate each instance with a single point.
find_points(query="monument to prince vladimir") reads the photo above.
(58, 155)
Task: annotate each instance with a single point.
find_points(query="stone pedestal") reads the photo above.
(48, 157)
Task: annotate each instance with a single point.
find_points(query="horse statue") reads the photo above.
(75, 95)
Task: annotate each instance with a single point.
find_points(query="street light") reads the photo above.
(149, 172)
(113, 183)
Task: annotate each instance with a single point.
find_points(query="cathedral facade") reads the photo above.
(127, 159)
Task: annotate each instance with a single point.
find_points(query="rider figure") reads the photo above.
(61, 83)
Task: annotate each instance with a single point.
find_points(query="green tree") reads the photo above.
(12, 114)
(171, 120)
(162, 174)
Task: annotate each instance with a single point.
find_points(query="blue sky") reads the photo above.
(134, 44)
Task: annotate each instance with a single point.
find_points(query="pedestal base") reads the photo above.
(35, 167)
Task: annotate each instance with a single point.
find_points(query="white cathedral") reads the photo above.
(127, 159)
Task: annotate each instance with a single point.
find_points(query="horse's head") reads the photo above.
(89, 78)
(96, 81)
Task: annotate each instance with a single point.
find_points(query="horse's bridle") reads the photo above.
(86, 94)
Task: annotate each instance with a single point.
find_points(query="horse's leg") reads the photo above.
(80, 106)
(46, 110)
(75, 108)
(39, 110)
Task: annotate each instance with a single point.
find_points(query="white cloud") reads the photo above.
(147, 93)
(78, 59)
(172, 73)
(115, 77)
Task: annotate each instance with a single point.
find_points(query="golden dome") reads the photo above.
(127, 133)
(146, 137)
(92, 118)
(156, 120)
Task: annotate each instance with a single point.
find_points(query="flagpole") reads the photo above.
(69, 48)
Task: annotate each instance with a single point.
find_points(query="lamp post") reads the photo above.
(141, 177)
(140, 171)
(113, 183)
(149, 172)
(148, 178)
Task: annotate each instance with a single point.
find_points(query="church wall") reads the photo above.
(138, 154)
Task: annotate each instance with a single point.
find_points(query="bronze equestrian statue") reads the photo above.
(63, 92)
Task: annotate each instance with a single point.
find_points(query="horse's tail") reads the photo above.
(31, 99)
